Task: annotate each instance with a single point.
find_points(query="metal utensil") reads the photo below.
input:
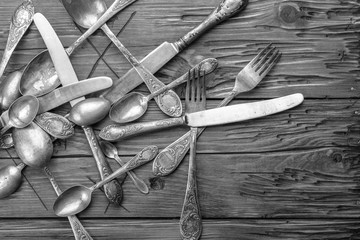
(111, 152)
(133, 105)
(67, 75)
(6, 141)
(10, 179)
(166, 51)
(169, 102)
(9, 89)
(39, 76)
(21, 112)
(171, 156)
(55, 125)
(190, 218)
(20, 21)
(78, 198)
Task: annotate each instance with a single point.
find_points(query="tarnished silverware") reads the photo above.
(10, 179)
(111, 152)
(55, 125)
(6, 141)
(9, 89)
(190, 219)
(171, 156)
(20, 21)
(133, 105)
(78, 198)
(39, 76)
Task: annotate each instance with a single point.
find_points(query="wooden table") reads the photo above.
(293, 175)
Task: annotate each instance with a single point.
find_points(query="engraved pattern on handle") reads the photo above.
(78, 229)
(113, 189)
(20, 21)
(47, 121)
(226, 9)
(116, 132)
(170, 157)
(169, 102)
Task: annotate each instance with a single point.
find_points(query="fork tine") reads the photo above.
(263, 59)
(193, 86)
(187, 91)
(270, 63)
(198, 86)
(252, 62)
(203, 92)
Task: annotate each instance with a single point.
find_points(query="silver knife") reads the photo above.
(166, 51)
(67, 75)
(216, 116)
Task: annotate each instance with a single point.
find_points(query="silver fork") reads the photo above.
(248, 78)
(190, 220)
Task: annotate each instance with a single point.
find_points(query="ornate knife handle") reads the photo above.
(226, 9)
(190, 219)
(79, 231)
(116, 132)
(113, 189)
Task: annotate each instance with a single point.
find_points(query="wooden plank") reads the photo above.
(169, 229)
(318, 183)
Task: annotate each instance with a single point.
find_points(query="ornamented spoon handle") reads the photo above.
(20, 22)
(78, 229)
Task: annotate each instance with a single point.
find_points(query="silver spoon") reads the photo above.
(111, 152)
(55, 125)
(78, 198)
(20, 21)
(133, 105)
(9, 89)
(41, 148)
(169, 102)
(6, 141)
(10, 179)
(39, 76)
(21, 112)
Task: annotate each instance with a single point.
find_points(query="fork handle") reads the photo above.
(116, 132)
(190, 219)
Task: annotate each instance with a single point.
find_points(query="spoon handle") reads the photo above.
(5, 129)
(206, 66)
(116, 132)
(20, 22)
(78, 229)
(138, 182)
(113, 189)
(117, 6)
(171, 156)
(144, 156)
(169, 104)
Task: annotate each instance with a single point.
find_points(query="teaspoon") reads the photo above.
(10, 179)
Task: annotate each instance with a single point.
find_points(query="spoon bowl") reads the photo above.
(10, 179)
(9, 89)
(133, 106)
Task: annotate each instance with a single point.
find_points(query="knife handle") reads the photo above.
(112, 189)
(226, 9)
(116, 132)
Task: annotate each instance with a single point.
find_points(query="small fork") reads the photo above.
(190, 220)
(246, 80)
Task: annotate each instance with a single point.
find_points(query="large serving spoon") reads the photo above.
(10, 179)
(78, 198)
(21, 112)
(41, 155)
(85, 13)
(39, 76)
(20, 22)
(133, 105)
(9, 89)
(111, 152)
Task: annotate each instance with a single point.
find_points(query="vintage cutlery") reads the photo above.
(21, 112)
(217, 116)
(111, 152)
(170, 157)
(39, 76)
(67, 75)
(169, 102)
(133, 105)
(9, 89)
(190, 219)
(162, 54)
(20, 22)
(10, 179)
(55, 125)
(6, 141)
(34, 147)
(78, 198)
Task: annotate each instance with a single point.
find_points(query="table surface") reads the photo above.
(293, 175)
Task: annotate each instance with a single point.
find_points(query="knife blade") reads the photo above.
(216, 116)
(67, 75)
(166, 51)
